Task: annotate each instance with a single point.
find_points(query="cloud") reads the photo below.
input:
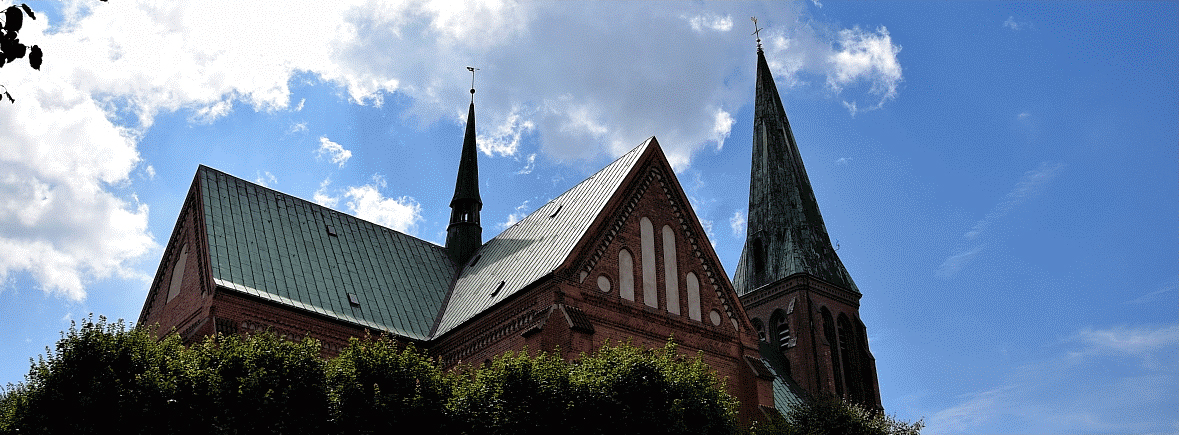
(737, 223)
(529, 165)
(265, 179)
(843, 161)
(1150, 297)
(335, 152)
(1014, 25)
(504, 139)
(865, 56)
(1028, 186)
(322, 197)
(1087, 384)
(956, 262)
(367, 202)
(68, 214)
(710, 21)
(520, 213)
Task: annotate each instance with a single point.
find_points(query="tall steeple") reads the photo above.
(785, 233)
(464, 235)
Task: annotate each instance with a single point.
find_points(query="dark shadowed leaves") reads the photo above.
(35, 57)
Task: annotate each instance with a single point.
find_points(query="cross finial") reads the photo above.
(756, 31)
(472, 70)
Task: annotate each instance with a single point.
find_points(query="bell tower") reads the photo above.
(464, 235)
(795, 289)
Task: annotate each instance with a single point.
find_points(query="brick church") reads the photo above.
(619, 256)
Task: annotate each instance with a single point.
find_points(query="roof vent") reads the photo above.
(352, 299)
(475, 260)
(330, 230)
(559, 207)
(497, 289)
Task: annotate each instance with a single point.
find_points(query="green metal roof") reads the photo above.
(536, 245)
(280, 248)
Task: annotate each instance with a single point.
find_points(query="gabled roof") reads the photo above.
(536, 245)
(280, 248)
(785, 231)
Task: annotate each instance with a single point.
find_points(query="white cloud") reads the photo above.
(710, 21)
(529, 165)
(1087, 384)
(367, 202)
(265, 179)
(1014, 25)
(504, 139)
(737, 223)
(322, 197)
(865, 56)
(111, 68)
(956, 262)
(1132, 341)
(520, 213)
(1030, 184)
(843, 161)
(335, 152)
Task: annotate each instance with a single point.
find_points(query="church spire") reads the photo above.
(785, 233)
(464, 235)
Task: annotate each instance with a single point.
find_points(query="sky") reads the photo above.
(1001, 178)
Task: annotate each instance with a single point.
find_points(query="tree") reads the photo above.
(377, 386)
(11, 48)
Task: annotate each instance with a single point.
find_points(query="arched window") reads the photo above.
(650, 290)
(671, 275)
(833, 347)
(759, 327)
(177, 273)
(626, 275)
(693, 286)
(848, 351)
(783, 330)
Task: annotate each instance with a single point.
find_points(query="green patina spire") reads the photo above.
(785, 232)
(464, 235)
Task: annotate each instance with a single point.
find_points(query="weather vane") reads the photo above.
(472, 70)
(756, 31)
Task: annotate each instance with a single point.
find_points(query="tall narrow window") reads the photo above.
(848, 353)
(671, 274)
(178, 273)
(833, 342)
(761, 329)
(693, 285)
(626, 275)
(650, 290)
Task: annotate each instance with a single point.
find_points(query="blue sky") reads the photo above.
(1001, 177)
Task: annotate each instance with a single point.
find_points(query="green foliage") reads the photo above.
(835, 416)
(258, 384)
(513, 394)
(103, 377)
(377, 388)
(627, 389)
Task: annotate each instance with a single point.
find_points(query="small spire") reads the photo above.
(756, 33)
(464, 235)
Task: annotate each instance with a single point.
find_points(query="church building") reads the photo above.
(619, 256)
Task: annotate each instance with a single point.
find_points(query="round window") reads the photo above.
(603, 283)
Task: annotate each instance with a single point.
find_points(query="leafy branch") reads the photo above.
(11, 48)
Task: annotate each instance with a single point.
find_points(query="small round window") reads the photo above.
(603, 283)
(715, 317)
